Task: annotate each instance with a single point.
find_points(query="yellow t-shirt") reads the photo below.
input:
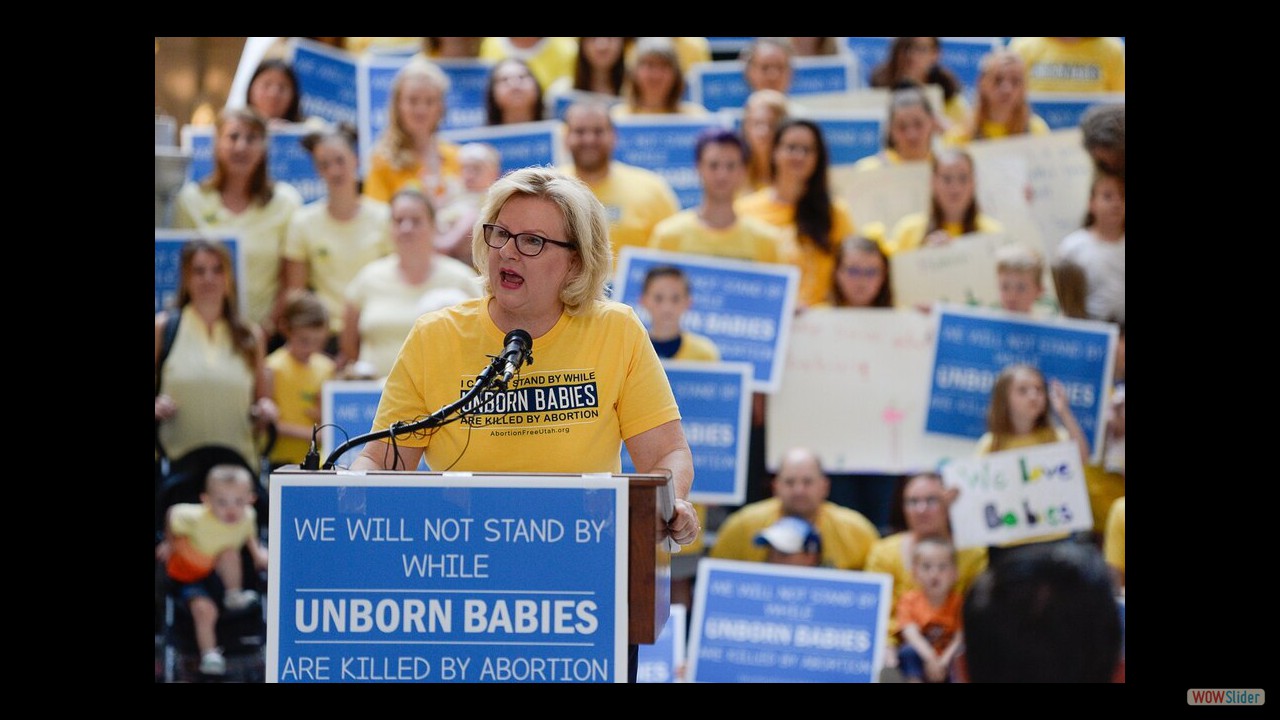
(1089, 65)
(847, 536)
(389, 305)
(296, 389)
(550, 59)
(747, 239)
(334, 250)
(595, 382)
(908, 233)
(260, 230)
(992, 130)
(635, 200)
(213, 388)
(816, 265)
(697, 347)
(384, 179)
(886, 157)
(1113, 542)
(200, 537)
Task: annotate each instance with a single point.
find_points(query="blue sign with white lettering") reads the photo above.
(665, 145)
(745, 308)
(519, 144)
(1064, 110)
(418, 578)
(287, 159)
(766, 623)
(963, 57)
(870, 52)
(715, 411)
(327, 82)
(169, 245)
(661, 662)
(347, 409)
(849, 138)
(721, 84)
(464, 105)
(974, 344)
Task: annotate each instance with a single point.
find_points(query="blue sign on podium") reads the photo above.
(417, 577)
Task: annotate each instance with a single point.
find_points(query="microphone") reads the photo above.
(518, 351)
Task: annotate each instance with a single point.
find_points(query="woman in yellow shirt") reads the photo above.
(953, 207)
(799, 201)
(408, 152)
(1002, 108)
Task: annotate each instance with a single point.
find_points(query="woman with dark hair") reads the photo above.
(915, 60)
(655, 82)
(513, 94)
(799, 201)
(600, 68)
(212, 390)
(273, 92)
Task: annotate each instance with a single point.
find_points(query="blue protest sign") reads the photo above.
(744, 307)
(870, 52)
(728, 44)
(447, 578)
(347, 409)
(661, 661)
(1064, 110)
(721, 85)
(850, 136)
(974, 344)
(718, 85)
(715, 411)
(822, 74)
(287, 159)
(665, 145)
(765, 623)
(327, 82)
(169, 263)
(559, 102)
(519, 144)
(464, 105)
(963, 56)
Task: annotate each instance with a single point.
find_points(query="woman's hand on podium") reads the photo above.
(683, 526)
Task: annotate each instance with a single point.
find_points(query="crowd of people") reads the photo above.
(401, 274)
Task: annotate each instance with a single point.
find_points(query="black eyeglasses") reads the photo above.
(527, 244)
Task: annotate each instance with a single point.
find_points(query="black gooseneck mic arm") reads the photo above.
(497, 372)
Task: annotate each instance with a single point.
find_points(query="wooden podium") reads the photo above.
(649, 502)
(652, 501)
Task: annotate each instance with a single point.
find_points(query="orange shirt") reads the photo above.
(938, 625)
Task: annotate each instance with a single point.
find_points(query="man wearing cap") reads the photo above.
(800, 489)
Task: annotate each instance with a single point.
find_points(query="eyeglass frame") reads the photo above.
(488, 228)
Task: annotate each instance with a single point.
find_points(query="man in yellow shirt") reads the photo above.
(800, 489)
(634, 199)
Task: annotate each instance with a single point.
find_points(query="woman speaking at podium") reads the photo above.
(542, 249)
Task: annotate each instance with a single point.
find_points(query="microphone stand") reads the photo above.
(486, 379)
